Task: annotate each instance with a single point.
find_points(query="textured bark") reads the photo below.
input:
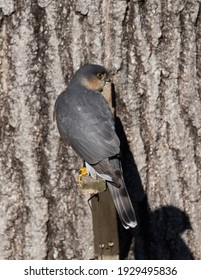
(153, 49)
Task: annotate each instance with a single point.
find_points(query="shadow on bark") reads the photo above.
(158, 234)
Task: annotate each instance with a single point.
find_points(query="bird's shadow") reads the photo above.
(158, 234)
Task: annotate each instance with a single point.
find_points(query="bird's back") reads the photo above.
(85, 120)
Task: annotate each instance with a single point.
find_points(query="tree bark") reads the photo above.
(153, 50)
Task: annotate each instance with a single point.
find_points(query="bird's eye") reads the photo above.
(100, 75)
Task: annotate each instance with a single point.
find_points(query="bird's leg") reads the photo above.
(83, 172)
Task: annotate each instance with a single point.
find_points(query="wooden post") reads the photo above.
(106, 243)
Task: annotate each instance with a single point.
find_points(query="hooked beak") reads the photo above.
(107, 79)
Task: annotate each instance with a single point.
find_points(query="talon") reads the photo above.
(82, 172)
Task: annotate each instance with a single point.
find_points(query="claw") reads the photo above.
(83, 172)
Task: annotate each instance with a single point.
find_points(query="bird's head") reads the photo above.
(92, 76)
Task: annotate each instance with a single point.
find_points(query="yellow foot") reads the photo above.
(82, 172)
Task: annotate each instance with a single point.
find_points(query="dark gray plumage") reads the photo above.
(85, 121)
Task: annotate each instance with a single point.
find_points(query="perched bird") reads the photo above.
(85, 122)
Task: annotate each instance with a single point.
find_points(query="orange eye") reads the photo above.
(100, 75)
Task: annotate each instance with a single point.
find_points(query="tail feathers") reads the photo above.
(110, 170)
(123, 205)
